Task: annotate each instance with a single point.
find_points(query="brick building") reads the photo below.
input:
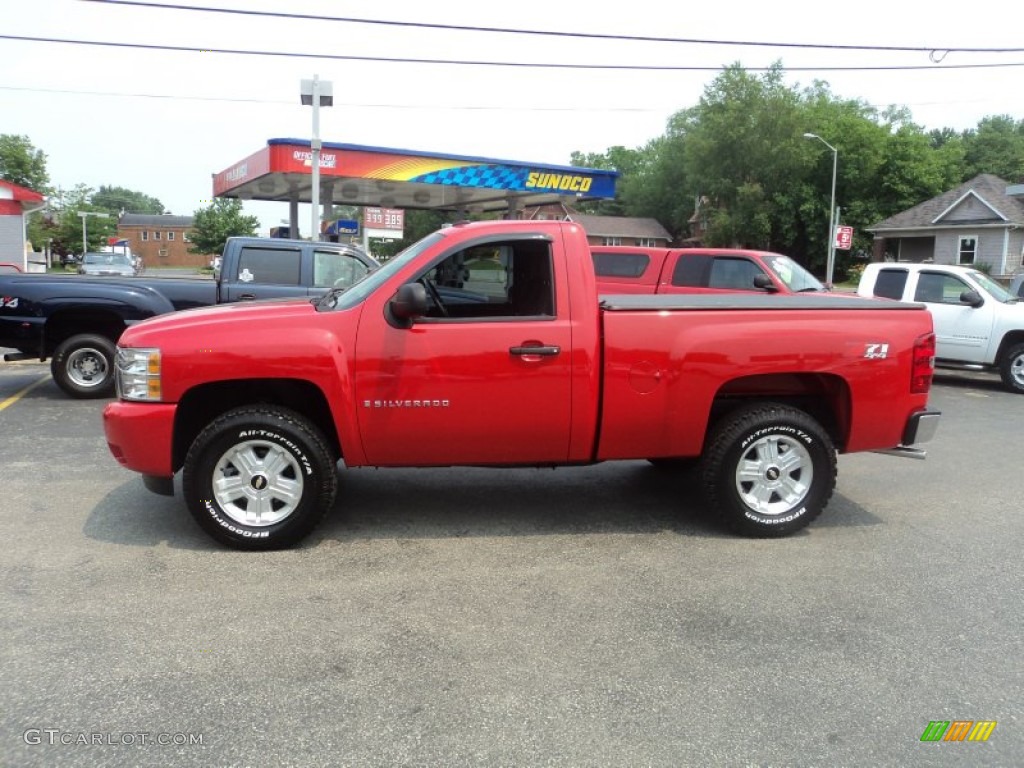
(161, 240)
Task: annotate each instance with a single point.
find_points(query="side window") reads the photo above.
(268, 266)
(937, 288)
(889, 283)
(968, 250)
(691, 271)
(733, 274)
(620, 264)
(496, 280)
(334, 269)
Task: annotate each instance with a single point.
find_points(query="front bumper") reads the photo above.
(141, 435)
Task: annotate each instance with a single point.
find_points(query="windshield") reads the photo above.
(795, 277)
(106, 258)
(370, 283)
(998, 292)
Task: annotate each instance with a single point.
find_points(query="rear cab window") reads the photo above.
(620, 264)
(268, 266)
(889, 283)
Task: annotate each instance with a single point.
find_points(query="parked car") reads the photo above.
(111, 264)
(8, 268)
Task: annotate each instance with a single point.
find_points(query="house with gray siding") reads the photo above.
(16, 203)
(980, 223)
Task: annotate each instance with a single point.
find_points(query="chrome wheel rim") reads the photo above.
(87, 367)
(257, 483)
(1017, 370)
(774, 475)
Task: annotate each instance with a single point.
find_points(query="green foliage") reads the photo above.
(997, 147)
(62, 225)
(214, 224)
(742, 149)
(118, 199)
(22, 164)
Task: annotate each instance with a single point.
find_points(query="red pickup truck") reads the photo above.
(484, 344)
(635, 269)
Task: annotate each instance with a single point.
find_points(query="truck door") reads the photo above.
(484, 377)
(961, 332)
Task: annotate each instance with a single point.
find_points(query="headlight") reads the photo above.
(138, 373)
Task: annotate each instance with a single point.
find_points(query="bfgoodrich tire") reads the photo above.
(259, 478)
(83, 366)
(1011, 369)
(769, 470)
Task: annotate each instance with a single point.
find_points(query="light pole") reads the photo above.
(830, 264)
(83, 215)
(318, 94)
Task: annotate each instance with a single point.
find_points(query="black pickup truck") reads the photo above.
(76, 321)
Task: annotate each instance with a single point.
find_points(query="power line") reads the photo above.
(485, 63)
(443, 107)
(943, 50)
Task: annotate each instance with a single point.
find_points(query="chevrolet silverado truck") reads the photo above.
(636, 269)
(484, 344)
(979, 324)
(76, 321)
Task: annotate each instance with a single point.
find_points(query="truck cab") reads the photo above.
(252, 268)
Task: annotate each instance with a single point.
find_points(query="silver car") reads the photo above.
(107, 264)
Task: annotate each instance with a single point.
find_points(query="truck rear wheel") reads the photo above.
(83, 366)
(259, 478)
(1011, 369)
(769, 470)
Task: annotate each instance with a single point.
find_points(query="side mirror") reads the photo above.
(765, 283)
(972, 299)
(409, 303)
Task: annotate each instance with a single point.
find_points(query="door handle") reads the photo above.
(539, 351)
(247, 297)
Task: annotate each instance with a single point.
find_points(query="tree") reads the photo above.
(997, 146)
(213, 225)
(118, 199)
(23, 164)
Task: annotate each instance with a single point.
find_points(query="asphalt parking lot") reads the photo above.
(592, 616)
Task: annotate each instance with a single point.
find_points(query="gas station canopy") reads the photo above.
(397, 178)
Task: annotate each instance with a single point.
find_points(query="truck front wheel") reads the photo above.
(259, 478)
(1011, 369)
(83, 366)
(769, 470)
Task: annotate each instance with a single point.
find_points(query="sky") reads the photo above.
(163, 122)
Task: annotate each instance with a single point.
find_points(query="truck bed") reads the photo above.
(761, 301)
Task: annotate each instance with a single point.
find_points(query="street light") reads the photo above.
(83, 215)
(831, 210)
(318, 94)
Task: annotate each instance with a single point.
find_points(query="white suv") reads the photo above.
(979, 324)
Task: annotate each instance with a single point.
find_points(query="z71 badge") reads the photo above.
(876, 351)
(8, 302)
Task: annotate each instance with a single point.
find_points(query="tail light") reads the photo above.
(923, 366)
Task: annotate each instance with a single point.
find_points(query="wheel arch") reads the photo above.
(201, 405)
(824, 397)
(65, 323)
(1009, 340)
